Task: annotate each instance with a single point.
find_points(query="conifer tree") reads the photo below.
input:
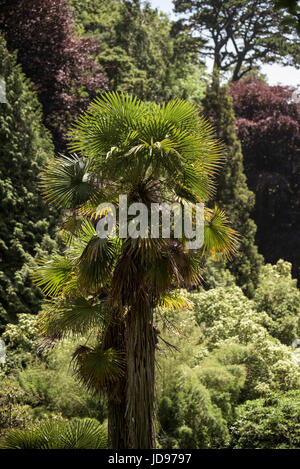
(232, 190)
(25, 222)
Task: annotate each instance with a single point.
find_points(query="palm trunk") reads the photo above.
(117, 424)
(140, 394)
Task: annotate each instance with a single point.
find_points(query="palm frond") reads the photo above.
(79, 315)
(51, 275)
(97, 261)
(220, 241)
(55, 434)
(96, 368)
(174, 301)
(182, 114)
(108, 122)
(66, 181)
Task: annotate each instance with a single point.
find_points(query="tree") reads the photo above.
(153, 154)
(293, 7)
(26, 222)
(268, 423)
(53, 57)
(136, 49)
(234, 330)
(238, 34)
(268, 126)
(232, 190)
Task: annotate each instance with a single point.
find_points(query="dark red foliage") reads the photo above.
(53, 57)
(268, 125)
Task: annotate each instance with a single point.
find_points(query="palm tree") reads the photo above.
(110, 287)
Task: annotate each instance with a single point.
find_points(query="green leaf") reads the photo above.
(66, 182)
(73, 316)
(220, 241)
(55, 434)
(52, 275)
(98, 368)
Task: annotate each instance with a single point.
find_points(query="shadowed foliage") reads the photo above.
(268, 126)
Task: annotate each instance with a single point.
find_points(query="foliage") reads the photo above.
(47, 387)
(216, 274)
(232, 191)
(21, 341)
(277, 294)
(239, 35)
(272, 422)
(268, 125)
(270, 366)
(57, 434)
(292, 6)
(225, 382)
(226, 335)
(13, 413)
(53, 57)
(187, 416)
(237, 332)
(26, 222)
(138, 52)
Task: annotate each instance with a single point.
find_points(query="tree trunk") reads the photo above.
(140, 385)
(117, 424)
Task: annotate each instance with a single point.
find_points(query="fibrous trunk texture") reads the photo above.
(117, 424)
(131, 407)
(140, 385)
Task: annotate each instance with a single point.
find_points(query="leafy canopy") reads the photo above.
(239, 35)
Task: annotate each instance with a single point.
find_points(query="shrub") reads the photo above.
(272, 422)
(277, 294)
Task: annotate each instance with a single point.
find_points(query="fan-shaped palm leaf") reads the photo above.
(52, 275)
(174, 301)
(220, 241)
(108, 122)
(98, 368)
(73, 316)
(66, 182)
(182, 114)
(97, 261)
(55, 434)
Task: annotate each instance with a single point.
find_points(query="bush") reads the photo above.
(272, 422)
(269, 366)
(277, 294)
(187, 415)
(227, 355)
(22, 340)
(48, 388)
